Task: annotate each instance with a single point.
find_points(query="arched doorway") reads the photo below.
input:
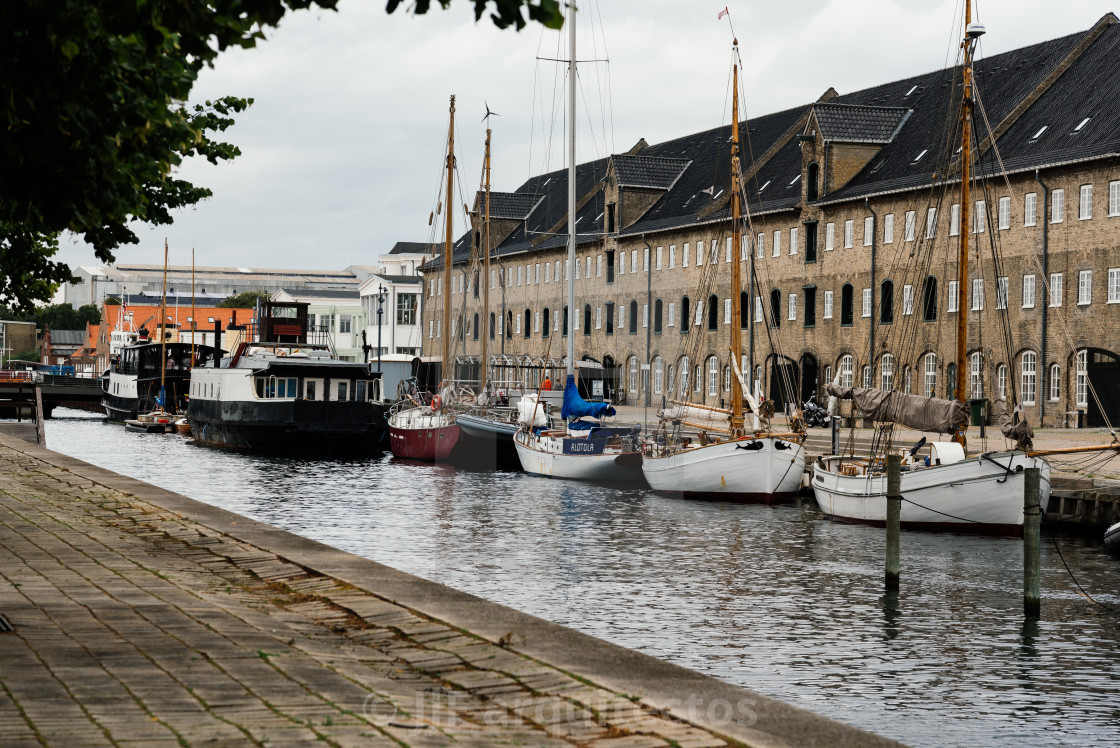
(783, 374)
(1103, 370)
(809, 383)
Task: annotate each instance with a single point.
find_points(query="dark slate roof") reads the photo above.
(647, 171)
(853, 123)
(417, 248)
(399, 278)
(315, 293)
(61, 338)
(512, 205)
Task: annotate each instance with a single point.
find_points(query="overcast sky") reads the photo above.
(342, 148)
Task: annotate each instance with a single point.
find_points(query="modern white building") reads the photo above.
(338, 313)
(397, 290)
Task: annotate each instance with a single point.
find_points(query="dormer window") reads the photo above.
(919, 156)
(760, 189)
(912, 90)
(1082, 124)
(1038, 134)
(794, 180)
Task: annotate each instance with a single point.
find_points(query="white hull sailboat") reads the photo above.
(555, 454)
(977, 494)
(763, 469)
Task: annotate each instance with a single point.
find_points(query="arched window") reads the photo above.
(929, 299)
(657, 317)
(727, 379)
(492, 325)
(775, 308)
(846, 373)
(546, 322)
(509, 325)
(713, 376)
(886, 302)
(633, 375)
(929, 378)
(951, 381)
(828, 375)
(633, 318)
(744, 310)
(886, 372)
(474, 329)
(669, 381)
(658, 376)
(685, 318)
(1055, 382)
(697, 378)
(713, 312)
(846, 305)
(586, 319)
(812, 179)
(1001, 380)
(867, 376)
(527, 322)
(684, 376)
(1029, 371)
(976, 376)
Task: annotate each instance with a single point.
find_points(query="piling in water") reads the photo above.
(894, 518)
(1032, 516)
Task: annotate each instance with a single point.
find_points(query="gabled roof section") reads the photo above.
(855, 123)
(509, 205)
(648, 171)
(414, 248)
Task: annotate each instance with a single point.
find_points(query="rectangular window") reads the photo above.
(672, 256)
(793, 241)
(1005, 213)
(344, 323)
(728, 251)
(888, 228)
(907, 299)
(684, 255)
(931, 222)
(537, 272)
(633, 261)
(1085, 207)
(776, 250)
(610, 318)
(1081, 394)
(979, 219)
(868, 230)
(556, 275)
(1057, 206)
(810, 307)
(727, 311)
(672, 315)
(761, 245)
(757, 309)
(977, 294)
(599, 266)
(1055, 382)
(1001, 292)
(1114, 285)
(519, 275)
(1028, 292)
(953, 302)
(1085, 287)
(1114, 198)
(849, 233)
(744, 247)
(867, 302)
(829, 236)
(1055, 289)
(645, 315)
(793, 306)
(645, 259)
(828, 304)
(909, 226)
(659, 253)
(598, 317)
(699, 319)
(811, 242)
(536, 321)
(588, 266)
(955, 219)
(407, 304)
(1030, 209)
(714, 253)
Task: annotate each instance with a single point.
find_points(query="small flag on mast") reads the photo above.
(722, 13)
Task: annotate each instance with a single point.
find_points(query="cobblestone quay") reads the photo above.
(142, 617)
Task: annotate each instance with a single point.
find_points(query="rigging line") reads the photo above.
(944, 514)
(1054, 540)
(606, 54)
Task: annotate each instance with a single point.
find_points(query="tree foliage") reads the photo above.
(244, 300)
(93, 123)
(56, 316)
(506, 12)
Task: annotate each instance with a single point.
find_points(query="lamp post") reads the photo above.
(380, 304)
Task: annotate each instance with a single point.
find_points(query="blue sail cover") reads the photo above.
(576, 407)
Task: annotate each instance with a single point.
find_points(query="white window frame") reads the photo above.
(713, 376)
(672, 314)
(1004, 213)
(760, 245)
(1055, 383)
(730, 247)
(976, 379)
(660, 250)
(829, 236)
(828, 304)
(888, 228)
(1028, 370)
(1028, 290)
(1058, 206)
(1001, 292)
(793, 239)
(908, 225)
(977, 294)
(599, 266)
(866, 302)
(672, 256)
(758, 315)
(1081, 388)
(658, 375)
(953, 301)
(907, 300)
(685, 252)
(1084, 287)
(979, 221)
(1114, 198)
(929, 374)
(1030, 209)
(792, 307)
(868, 230)
(1113, 286)
(886, 372)
(1001, 381)
(846, 370)
(727, 311)
(598, 318)
(1055, 289)
(776, 250)
(1085, 203)
(955, 219)
(849, 233)
(931, 223)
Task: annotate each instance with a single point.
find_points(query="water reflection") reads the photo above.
(773, 598)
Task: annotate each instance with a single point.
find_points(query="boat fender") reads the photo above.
(436, 402)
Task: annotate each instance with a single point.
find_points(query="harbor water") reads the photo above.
(776, 599)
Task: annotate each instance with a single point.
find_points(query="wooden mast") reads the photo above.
(968, 44)
(194, 312)
(163, 336)
(484, 366)
(736, 253)
(445, 337)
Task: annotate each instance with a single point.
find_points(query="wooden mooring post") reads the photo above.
(894, 519)
(1032, 517)
(40, 416)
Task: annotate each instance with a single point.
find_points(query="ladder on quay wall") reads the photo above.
(21, 398)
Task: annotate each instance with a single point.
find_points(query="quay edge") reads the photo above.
(683, 693)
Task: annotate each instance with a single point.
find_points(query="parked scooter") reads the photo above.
(815, 415)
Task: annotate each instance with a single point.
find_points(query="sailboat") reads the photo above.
(723, 459)
(949, 490)
(421, 425)
(584, 449)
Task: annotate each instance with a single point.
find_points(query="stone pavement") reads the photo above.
(136, 625)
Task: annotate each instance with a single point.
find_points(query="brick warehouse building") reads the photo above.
(844, 194)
